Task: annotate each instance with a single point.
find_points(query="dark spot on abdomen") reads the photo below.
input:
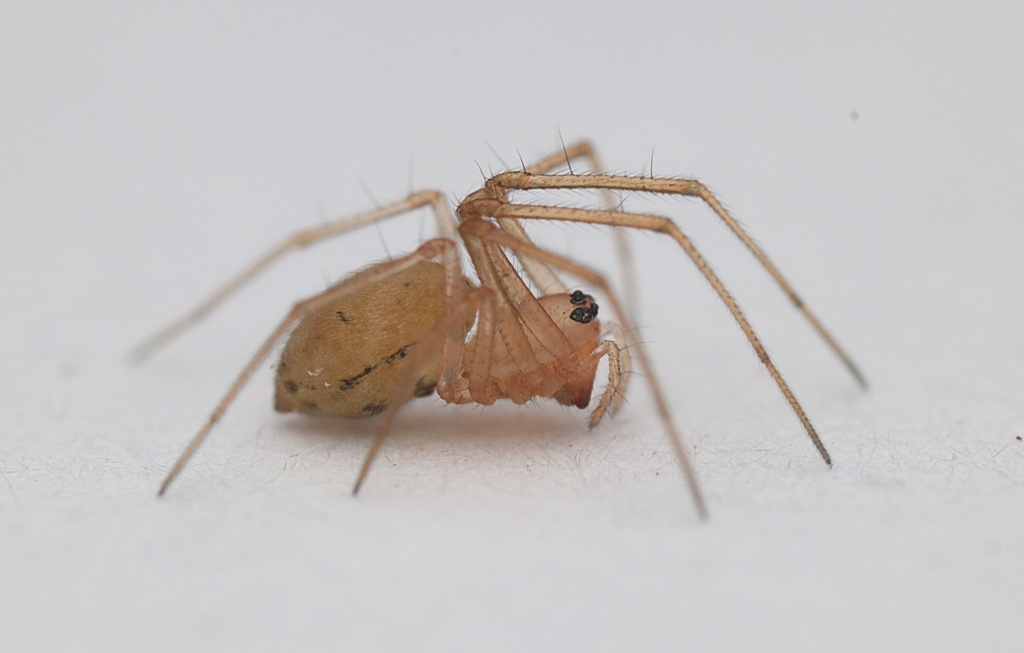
(401, 352)
(424, 388)
(348, 384)
(374, 409)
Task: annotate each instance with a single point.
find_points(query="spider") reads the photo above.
(404, 327)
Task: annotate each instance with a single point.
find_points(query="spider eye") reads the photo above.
(585, 314)
(578, 298)
(582, 315)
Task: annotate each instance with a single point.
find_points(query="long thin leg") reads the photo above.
(429, 250)
(687, 187)
(662, 225)
(485, 230)
(541, 275)
(584, 149)
(445, 225)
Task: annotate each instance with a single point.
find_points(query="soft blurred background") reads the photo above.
(875, 150)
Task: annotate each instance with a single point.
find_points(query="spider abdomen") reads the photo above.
(344, 359)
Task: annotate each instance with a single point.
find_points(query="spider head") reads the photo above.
(575, 315)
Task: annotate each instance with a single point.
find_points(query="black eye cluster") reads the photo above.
(587, 311)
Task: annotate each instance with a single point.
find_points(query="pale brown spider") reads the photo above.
(401, 328)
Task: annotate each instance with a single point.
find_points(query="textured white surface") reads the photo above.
(876, 151)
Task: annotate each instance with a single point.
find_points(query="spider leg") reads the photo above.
(504, 182)
(662, 225)
(541, 275)
(431, 249)
(584, 149)
(304, 238)
(487, 231)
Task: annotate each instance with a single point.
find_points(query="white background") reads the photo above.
(875, 149)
